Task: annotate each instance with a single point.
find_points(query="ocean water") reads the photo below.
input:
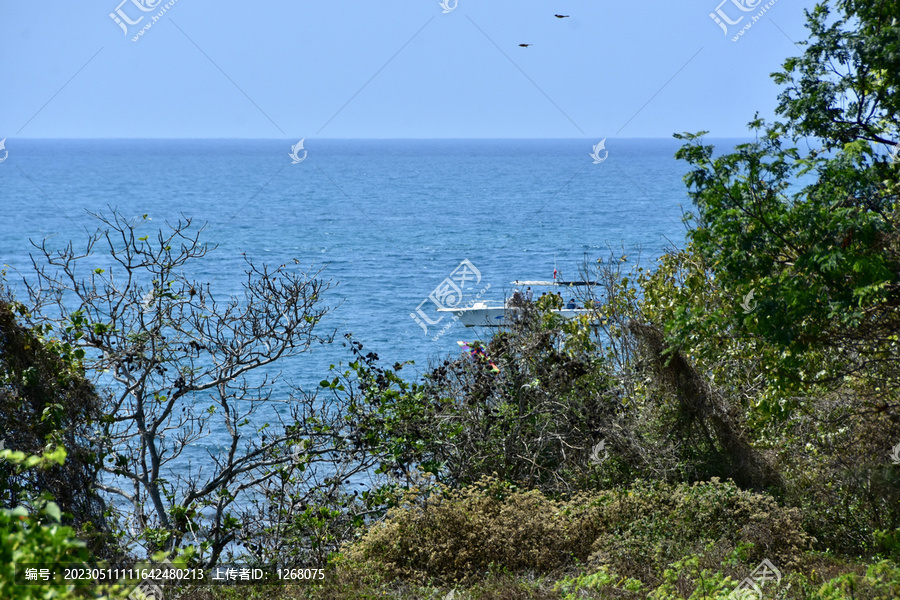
(388, 220)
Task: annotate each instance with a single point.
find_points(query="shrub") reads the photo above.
(35, 537)
(458, 536)
(654, 524)
(46, 401)
(880, 582)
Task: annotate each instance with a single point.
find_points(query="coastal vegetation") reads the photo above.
(733, 406)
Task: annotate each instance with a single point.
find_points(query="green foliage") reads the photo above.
(888, 542)
(787, 297)
(881, 581)
(535, 421)
(683, 575)
(45, 401)
(390, 414)
(822, 261)
(656, 524)
(603, 580)
(844, 87)
(814, 235)
(36, 535)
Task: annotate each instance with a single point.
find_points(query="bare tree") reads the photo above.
(176, 365)
(336, 480)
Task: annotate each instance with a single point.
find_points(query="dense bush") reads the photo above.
(461, 535)
(528, 406)
(838, 470)
(654, 524)
(451, 536)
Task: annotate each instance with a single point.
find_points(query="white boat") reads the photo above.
(496, 314)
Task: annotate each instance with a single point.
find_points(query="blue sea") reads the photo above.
(387, 220)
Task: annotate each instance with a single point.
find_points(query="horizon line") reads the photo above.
(412, 139)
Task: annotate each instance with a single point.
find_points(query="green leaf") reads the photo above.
(52, 509)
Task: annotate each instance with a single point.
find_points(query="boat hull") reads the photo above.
(497, 317)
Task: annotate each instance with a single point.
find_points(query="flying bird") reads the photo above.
(561, 16)
(524, 45)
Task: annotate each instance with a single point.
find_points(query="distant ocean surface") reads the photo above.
(389, 220)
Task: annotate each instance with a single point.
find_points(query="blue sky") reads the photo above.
(400, 69)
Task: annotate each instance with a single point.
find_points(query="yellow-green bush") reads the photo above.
(458, 536)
